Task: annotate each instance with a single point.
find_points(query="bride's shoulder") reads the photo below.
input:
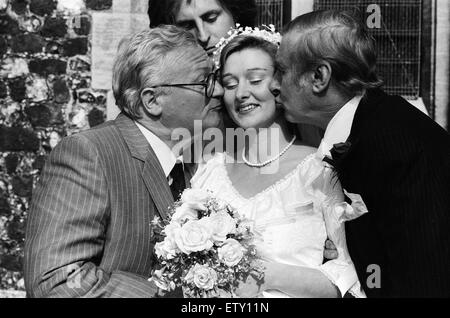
(298, 162)
(304, 160)
(301, 153)
(218, 157)
(211, 162)
(303, 147)
(210, 167)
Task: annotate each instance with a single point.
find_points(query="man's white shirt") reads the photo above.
(164, 154)
(338, 130)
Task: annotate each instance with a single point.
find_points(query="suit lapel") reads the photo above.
(152, 172)
(367, 105)
(156, 183)
(366, 108)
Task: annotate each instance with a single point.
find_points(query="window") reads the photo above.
(404, 42)
(276, 12)
(398, 39)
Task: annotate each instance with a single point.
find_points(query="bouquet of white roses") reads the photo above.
(206, 247)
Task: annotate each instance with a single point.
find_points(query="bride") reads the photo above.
(291, 197)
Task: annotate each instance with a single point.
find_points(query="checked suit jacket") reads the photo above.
(399, 162)
(88, 230)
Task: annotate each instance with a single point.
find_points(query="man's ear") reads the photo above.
(321, 77)
(150, 102)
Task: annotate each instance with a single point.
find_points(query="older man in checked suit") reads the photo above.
(88, 232)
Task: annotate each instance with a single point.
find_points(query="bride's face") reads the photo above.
(246, 77)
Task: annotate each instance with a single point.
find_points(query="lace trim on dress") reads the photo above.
(268, 189)
(356, 291)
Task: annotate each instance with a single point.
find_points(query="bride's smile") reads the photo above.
(244, 109)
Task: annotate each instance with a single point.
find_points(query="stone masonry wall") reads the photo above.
(45, 94)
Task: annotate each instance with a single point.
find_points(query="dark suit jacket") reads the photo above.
(399, 162)
(88, 232)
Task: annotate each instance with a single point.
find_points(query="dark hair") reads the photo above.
(165, 11)
(339, 38)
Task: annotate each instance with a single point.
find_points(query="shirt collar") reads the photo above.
(165, 156)
(339, 128)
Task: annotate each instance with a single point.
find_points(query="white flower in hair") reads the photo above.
(267, 33)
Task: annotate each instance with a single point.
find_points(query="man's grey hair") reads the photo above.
(142, 60)
(339, 38)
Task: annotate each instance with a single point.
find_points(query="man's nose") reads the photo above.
(275, 89)
(203, 35)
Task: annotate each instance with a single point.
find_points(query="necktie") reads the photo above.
(178, 182)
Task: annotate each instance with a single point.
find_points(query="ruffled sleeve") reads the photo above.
(328, 196)
(207, 176)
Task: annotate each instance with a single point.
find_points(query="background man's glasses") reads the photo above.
(209, 84)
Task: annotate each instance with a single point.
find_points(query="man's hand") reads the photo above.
(254, 285)
(330, 251)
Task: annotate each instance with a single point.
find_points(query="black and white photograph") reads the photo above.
(244, 150)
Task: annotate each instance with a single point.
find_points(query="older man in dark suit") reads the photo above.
(382, 148)
(88, 232)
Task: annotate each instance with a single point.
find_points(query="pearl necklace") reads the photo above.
(265, 163)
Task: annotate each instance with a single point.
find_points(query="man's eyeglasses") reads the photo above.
(209, 84)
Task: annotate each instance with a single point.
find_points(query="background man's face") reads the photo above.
(207, 20)
(184, 105)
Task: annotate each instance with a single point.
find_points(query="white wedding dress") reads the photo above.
(294, 217)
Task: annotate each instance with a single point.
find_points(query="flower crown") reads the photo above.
(267, 33)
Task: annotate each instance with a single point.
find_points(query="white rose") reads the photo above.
(202, 276)
(184, 213)
(195, 199)
(194, 236)
(222, 225)
(166, 249)
(231, 252)
(171, 229)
